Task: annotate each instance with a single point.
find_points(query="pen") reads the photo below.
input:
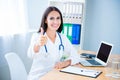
(88, 71)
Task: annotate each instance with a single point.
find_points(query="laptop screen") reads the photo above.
(104, 52)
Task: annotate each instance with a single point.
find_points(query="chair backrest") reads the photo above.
(16, 67)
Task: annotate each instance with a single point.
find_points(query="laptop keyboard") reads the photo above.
(93, 62)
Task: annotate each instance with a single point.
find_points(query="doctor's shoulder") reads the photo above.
(64, 38)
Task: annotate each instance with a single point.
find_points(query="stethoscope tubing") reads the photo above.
(61, 44)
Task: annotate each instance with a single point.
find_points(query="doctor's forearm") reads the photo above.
(63, 64)
(67, 63)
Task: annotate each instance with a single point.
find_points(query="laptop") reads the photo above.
(102, 56)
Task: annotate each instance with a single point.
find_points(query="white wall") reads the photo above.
(35, 12)
(102, 22)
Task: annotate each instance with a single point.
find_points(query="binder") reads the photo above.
(67, 30)
(69, 35)
(76, 30)
(72, 31)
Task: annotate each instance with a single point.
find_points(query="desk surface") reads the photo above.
(55, 74)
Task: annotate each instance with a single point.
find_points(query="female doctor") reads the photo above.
(49, 48)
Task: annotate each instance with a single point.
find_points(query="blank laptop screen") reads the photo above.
(104, 52)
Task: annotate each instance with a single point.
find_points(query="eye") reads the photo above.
(58, 17)
(51, 18)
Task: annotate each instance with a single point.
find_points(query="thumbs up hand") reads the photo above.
(43, 38)
(41, 41)
(42, 31)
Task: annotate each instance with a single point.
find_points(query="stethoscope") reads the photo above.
(61, 46)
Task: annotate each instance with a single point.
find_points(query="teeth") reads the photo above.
(55, 26)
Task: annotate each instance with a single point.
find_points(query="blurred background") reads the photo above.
(98, 21)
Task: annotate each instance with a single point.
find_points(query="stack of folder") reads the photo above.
(72, 31)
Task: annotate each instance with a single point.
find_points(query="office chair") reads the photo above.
(16, 67)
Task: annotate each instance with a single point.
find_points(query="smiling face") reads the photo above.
(53, 21)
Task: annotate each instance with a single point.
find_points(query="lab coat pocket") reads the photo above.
(64, 56)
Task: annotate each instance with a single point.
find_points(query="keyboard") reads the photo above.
(86, 55)
(93, 62)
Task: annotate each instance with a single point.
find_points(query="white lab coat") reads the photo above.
(44, 62)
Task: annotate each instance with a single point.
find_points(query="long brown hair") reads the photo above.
(44, 17)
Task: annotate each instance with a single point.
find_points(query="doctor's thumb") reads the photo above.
(42, 31)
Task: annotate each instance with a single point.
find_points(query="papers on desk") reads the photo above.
(81, 71)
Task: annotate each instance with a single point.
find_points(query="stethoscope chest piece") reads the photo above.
(61, 48)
